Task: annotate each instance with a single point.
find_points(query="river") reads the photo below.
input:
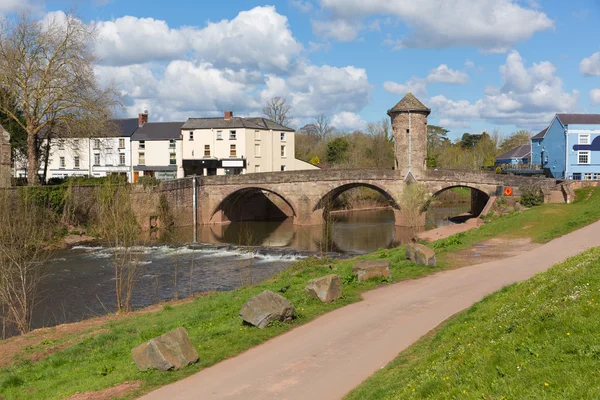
(81, 279)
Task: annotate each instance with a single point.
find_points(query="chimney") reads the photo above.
(143, 118)
(228, 114)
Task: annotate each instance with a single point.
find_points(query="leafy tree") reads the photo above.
(277, 109)
(337, 151)
(516, 139)
(468, 141)
(436, 137)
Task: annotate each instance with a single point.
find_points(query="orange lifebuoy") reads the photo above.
(508, 191)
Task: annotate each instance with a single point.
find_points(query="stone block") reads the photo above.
(327, 288)
(268, 306)
(420, 254)
(173, 350)
(367, 269)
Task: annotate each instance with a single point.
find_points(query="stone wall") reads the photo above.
(418, 142)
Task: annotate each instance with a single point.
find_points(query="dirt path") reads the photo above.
(328, 357)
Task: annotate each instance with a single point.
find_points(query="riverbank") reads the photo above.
(99, 357)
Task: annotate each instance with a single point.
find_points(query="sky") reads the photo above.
(479, 65)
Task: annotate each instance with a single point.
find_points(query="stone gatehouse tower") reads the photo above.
(409, 127)
(5, 153)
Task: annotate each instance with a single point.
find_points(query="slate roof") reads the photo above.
(541, 135)
(127, 126)
(158, 131)
(521, 151)
(233, 123)
(582, 119)
(409, 103)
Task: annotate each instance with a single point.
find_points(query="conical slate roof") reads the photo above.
(409, 103)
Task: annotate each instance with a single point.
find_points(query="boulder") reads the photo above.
(420, 254)
(367, 269)
(261, 309)
(327, 288)
(173, 350)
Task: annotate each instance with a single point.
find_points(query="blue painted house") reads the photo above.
(569, 147)
(520, 155)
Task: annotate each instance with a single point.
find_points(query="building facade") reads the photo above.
(156, 151)
(5, 158)
(569, 147)
(233, 146)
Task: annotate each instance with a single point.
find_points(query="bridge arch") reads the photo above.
(252, 203)
(328, 198)
(478, 200)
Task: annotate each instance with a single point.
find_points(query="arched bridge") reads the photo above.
(305, 195)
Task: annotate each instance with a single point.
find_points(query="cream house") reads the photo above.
(233, 145)
(156, 151)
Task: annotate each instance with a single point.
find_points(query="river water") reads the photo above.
(81, 282)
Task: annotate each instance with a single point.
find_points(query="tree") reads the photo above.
(515, 140)
(337, 150)
(436, 137)
(277, 110)
(468, 141)
(318, 130)
(47, 72)
(381, 150)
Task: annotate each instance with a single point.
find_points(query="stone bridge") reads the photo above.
(306, 195)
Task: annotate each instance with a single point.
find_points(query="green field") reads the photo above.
(100, 358)
(539, 339)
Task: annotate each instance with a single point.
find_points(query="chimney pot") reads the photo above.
(143, 118)
(228, 114)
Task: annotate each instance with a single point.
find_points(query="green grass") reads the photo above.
(102, 361)
(539, 339)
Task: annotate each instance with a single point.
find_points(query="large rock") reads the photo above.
(420, 254)
(260, 310)
(367, 269)
(327, 288)
(172, 350)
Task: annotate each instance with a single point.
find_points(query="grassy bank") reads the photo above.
(533, 340)
(100, 357)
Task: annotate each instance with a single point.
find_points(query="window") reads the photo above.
(62, 162)
(584, 139)
(121, 143)
(142, 144)
(232, 150)
(283, 167)
(96, 159)
(583, 157)
(283, 151)
(282, 136)
(587, 176)
(121, 158)
(76, 143)
(219, 135)
(207, 150)
(257, 168)
(232, 135)
(596, 176)
(191, 136)
(142, 158)
(256, 135)
(577, 176)
(257, 150)
(172, 159)
(61, 144)
(96, 144)
(172, 144)
(76, 162)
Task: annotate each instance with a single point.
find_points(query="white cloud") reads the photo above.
(469, 64)
(302, 5)
(259, 38)
(418, 86)
(348, 121)
(10, 6)
(529, 97)
(590, 66)
(454, 124)
(595, 96)
(491, 25)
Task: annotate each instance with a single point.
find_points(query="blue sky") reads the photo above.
(484, 65)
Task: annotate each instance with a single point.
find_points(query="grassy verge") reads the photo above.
(533, 340)
(101, 358)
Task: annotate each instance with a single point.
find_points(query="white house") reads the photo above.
(233, 146)
(156, 151)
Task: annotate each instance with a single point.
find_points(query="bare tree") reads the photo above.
(277, 110)
(25, 231)
(47, 71)
(319, 129)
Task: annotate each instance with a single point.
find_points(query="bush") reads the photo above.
(532, 196)
(498, 170)
(148, 181)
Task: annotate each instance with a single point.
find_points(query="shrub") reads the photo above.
(498, 170)
(148, 181)
(532, 196)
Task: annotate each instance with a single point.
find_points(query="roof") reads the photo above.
(521, 151)
(409, 103)
(234, 122)
(541, 135)
(126, 127)
(580, 119)
(158, 131)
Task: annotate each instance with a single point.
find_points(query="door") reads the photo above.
(136, 176)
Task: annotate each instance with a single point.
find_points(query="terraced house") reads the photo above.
(569, 147)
